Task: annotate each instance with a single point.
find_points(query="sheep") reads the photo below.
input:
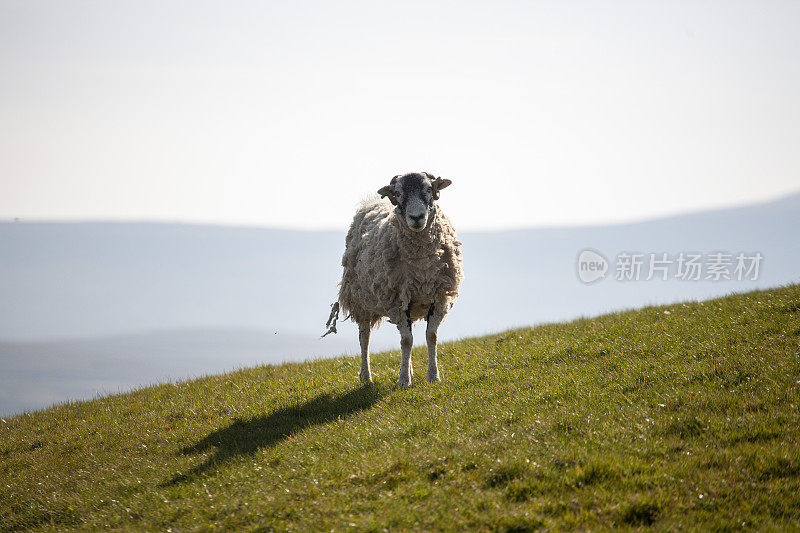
(402, 261)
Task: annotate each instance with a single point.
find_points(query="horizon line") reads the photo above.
(467, 229)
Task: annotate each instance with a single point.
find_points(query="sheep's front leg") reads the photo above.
(434, 318)
(363, 337)
(406, 341)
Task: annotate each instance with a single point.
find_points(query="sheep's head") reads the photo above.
(414, 194)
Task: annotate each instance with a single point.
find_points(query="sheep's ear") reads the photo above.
(388, 191)
(438, 185)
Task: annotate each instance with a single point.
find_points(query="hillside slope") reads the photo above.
(685, 415)
(123, 294)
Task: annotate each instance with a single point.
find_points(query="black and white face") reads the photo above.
(414, 194)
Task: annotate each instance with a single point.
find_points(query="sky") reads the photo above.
(287, 114)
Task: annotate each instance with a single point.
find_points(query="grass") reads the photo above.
(685, 416)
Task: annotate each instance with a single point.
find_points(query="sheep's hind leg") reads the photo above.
(406, 341)
(363, 338)
(434, 318)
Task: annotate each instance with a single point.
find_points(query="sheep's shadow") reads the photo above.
(246, 437)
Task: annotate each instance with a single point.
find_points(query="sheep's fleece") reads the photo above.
(387, 266)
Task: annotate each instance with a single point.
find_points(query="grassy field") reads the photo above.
(685, 416)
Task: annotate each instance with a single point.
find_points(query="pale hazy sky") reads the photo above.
(287, 113)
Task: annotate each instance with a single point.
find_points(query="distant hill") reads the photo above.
(681, 417)
(75, 282)
(36, 374)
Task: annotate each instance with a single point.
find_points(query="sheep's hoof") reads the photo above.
(404, 382)
(433, 378)
(365, 377)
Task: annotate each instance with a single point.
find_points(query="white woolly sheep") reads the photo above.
(402, 261)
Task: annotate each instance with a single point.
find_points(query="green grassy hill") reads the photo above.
(679, 416)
